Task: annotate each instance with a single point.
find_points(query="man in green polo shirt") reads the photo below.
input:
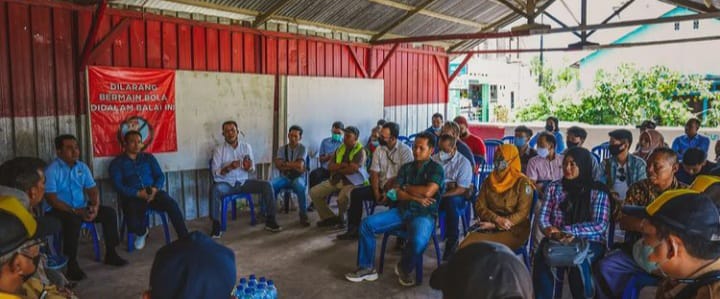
(417, 191)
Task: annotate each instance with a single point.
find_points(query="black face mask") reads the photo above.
(616, 149)
(382, 141)
(36, 262)
(571, 144)
(549, 128)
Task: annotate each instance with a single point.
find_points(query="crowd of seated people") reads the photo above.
(664, 198)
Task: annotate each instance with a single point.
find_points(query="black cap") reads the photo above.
(621, 134)
(683, 210)
(194, 266)
(353, 130)
(483, 270)
(647, 124)
(338, 125)
(18, 226)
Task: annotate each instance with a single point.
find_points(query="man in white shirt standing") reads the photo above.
(232, 163)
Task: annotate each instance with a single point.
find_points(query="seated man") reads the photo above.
(694, 163)
(546, 167)
(681, 240)
(522, 137)
(290, 161)
(387, 160)
(327, 148)
(552, 127)
(436, 127)
(576, 137)
(691, 139)
(138, 180)
(622, 169)
(458, 186)
(451, 128)
(419, 185)
(618, 266)
(476, 144)
(192, 267)
(20, 240)
(67, 182)
(347, 170)
(232, 163)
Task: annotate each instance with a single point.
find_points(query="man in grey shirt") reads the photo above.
(290, 161)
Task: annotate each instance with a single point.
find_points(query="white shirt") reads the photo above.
(224, 155)
(457, 169)
(386, 162)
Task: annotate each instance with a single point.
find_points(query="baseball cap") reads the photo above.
(194, 266)
(353, 130)
(683, 210)
(647, 124)
(461, 120)
(338, 125)
(702, 182)
(17, 225)
(483, 270)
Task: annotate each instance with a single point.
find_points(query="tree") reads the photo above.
(629, 96)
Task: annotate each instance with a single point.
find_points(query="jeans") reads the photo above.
(135, 209)
(317, 176)
(220, 190)
(615, 270)
(580, 277)
(71, 223)
(453, 208)
(419, 231)
(297, 185)
(355, 212)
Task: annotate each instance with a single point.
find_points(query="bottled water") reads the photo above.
(262, 281)
(272, 291)
(252, 279)
(239, 291)
(260, 293)
(242, 283)
(248, 294)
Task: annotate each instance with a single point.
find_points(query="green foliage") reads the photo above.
(627, 96)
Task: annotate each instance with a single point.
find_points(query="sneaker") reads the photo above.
(56, 262)
(405, 279)
(329, 222)
(216, 233)
(351, 234)
(140, 240)
(368, 274)
(304, 221)
(113, 259)
(74, 273)
(272, 226)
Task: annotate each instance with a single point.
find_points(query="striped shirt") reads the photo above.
(552, 215)
(457, 169)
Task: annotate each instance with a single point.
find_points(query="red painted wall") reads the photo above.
(41, 42)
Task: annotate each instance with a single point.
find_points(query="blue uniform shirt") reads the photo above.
(327, 147)
(683, 143)
(69, 183)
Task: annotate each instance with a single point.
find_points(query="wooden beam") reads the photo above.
(429, 13)
(357, 61)
(401, 20)
(462, 65)
(110, 37)
(92, 35)
(264, 17)
(615, 13)
(443, 75)
(385, 60)
(507, 19)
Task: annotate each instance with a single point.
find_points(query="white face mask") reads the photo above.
(445, 156)
(543, 152)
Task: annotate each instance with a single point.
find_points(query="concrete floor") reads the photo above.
(303, 262)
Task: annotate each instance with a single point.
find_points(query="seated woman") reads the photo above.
(649, 141)
(503, 204)
(574, 207)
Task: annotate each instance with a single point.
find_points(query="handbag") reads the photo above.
(559, 254)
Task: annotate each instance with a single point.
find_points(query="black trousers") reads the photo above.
(317, 176)
(135, 208)
(357, 196)
(107, 217)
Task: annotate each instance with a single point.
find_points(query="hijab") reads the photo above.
(656, 141)
(577, 206)
(503, 180)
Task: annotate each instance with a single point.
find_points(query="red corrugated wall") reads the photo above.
(41, 41)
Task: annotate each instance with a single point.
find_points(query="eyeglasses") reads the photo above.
(621, 174)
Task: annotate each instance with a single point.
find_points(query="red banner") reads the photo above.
(127, 99)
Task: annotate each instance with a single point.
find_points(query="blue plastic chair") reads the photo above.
(401, 233)
(90, 228)
(288, 191)
(508, 139)
(232, 199)
(404, 139)
(524, 251)
(637, 282)
(602, 150)
(369, 207)
(490, 146)
(464, 219)
(597, 158)
(148, 213)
